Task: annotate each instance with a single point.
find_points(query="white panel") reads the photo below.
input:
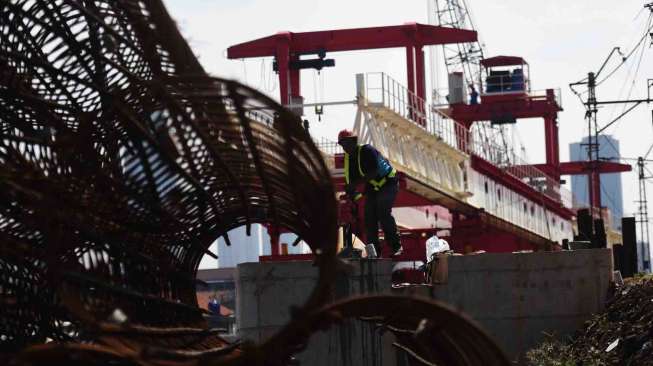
(510, 207)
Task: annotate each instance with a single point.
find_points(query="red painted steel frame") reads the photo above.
(546, 107)
(518, 106)
(583, 167)
(503, 61)
(287, 45)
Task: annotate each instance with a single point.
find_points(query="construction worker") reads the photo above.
(473, 95)
(214, 305)
(363, 163)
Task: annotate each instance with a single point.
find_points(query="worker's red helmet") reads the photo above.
(344, 134)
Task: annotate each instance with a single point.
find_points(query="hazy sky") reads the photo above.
(561, 40)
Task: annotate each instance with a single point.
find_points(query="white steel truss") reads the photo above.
(422, 143)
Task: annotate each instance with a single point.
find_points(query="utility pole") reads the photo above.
(593, 176)
(594, 165)
(642, 213)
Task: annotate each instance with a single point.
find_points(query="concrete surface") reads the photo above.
(518, 297)
(515, 298)
(265, 291)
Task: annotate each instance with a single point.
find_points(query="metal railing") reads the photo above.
(543, 94)
(328, 147)
(382, 90)
(500, 86)
(505, 158)
(440, 95)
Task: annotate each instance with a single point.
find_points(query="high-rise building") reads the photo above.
(611, 193)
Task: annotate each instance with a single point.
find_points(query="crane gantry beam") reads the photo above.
(288, 46)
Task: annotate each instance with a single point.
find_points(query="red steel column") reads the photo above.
(551, 142)
(283, 57)
(410, 67)
(595, 189)
(557, 143)
(410, 74)
(273, 231)
(420, 84)
(419, 72)
(551, 136)
(295, 80)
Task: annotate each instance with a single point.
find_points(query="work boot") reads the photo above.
(397, 249)
(399, 252)
(346, 252)
(349, 252)
(371, 251)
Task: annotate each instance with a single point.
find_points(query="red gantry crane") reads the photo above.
(495, 205)
(288, 47)
(485, 228)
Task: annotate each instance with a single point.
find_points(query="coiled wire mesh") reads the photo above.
(121, 161)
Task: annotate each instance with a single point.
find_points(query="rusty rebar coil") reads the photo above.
(430, 332)
(121, 161)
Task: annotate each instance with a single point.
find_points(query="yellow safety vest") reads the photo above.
(376, 183)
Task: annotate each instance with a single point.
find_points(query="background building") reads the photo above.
(611, 191)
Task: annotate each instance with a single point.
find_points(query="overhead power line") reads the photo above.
(624, 58)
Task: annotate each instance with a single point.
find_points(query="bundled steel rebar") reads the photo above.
(121, 161)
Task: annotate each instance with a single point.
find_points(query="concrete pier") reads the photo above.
(515, 298)
(267, 290)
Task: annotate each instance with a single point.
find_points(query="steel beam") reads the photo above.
(353, 39)
(585, 167)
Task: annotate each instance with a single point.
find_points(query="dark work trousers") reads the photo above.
(378, 210)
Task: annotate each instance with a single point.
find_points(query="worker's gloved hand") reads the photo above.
(356, 196)
(352, 193)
